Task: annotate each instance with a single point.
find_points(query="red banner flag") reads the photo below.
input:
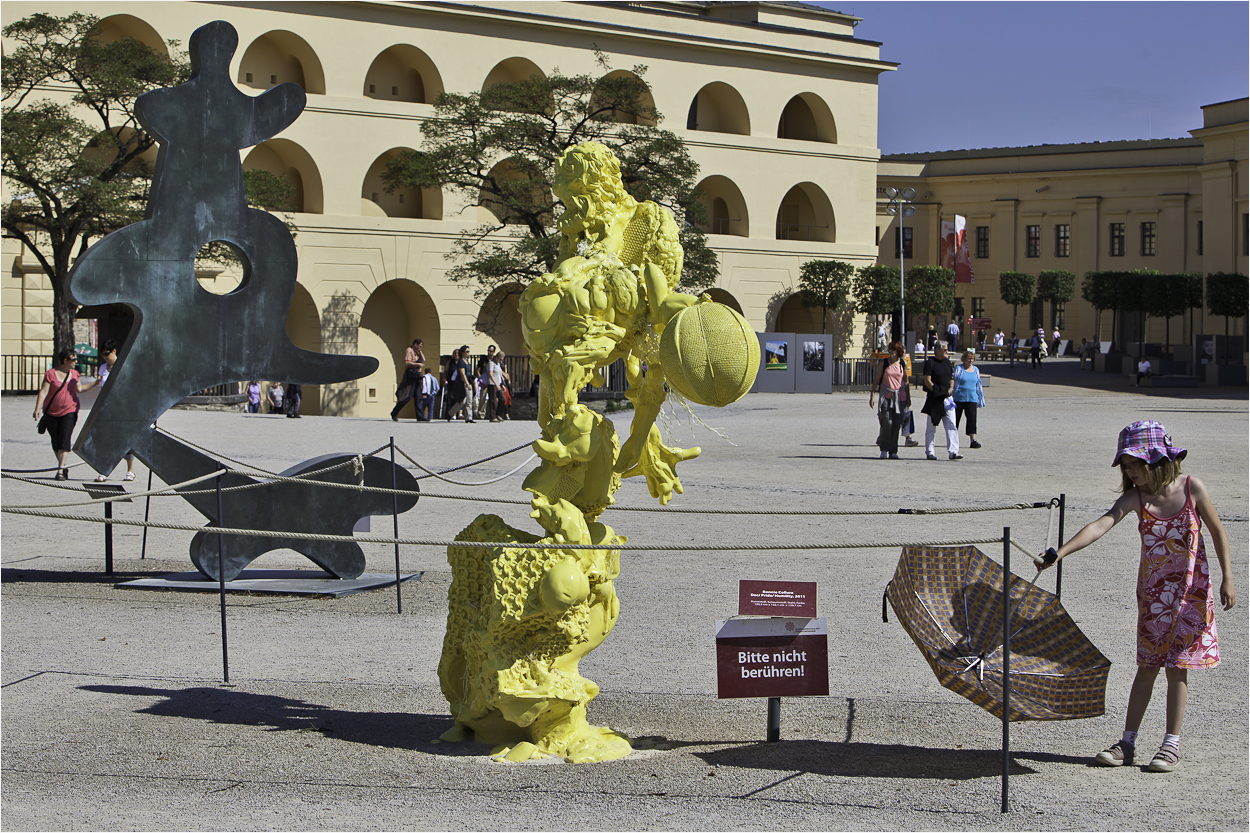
(955, 249)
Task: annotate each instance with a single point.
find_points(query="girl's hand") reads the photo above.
(871, 403)
(1228, 594)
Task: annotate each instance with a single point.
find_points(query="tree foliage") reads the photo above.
(876, 290)
(1057, 286)
(931, 290)
(1227, 294)
(497, 149)
(1017, 289)
(75, 161)
(825, 284)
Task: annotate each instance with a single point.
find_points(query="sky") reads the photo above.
(1011, 74)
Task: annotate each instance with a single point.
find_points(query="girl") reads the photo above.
(1175, 608)
(969, 395)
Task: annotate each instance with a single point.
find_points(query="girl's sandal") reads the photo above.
(130, 475)
(1165, 760)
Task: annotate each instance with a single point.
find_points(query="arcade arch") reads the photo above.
(303, 326)
(646, 100)
(806, 214)
(403, 73)
(118, 26)
(499, 319)
(722, 296)
(793, 317)
(409, 201)
(279, 56)
(283, 157)
(807, 118)
(719, 108)
(726, 207)
(395, 313)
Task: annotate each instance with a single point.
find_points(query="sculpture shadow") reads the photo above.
(15, 575)
(876, 760)
(392, 730)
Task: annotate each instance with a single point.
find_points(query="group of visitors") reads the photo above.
(952, 395)
(485, 392)
(281, 401)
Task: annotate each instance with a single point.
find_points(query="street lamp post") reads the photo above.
(900, 206)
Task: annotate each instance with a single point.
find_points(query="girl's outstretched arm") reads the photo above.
(1091, 532)
(1219, 539)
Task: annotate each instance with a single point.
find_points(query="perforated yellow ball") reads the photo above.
(710, 354)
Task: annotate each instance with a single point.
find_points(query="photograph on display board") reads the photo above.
(775, 353)
(814, 356)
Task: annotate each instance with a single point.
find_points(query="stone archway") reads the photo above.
(395, 313)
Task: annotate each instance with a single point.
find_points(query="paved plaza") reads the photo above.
(114, 716)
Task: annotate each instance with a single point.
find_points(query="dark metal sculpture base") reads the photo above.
(288, 582)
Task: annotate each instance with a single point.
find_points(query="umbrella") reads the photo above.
(950, 601)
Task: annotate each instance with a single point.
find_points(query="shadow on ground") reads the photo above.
(875, 760)
(394, 730)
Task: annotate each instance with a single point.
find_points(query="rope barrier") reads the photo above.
(40, 471)
(425, 542)
(467, 465)
(123, 496)
(462, 483)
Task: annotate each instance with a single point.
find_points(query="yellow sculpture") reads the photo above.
(520, 619)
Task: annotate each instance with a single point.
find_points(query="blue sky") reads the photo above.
(1009, 74)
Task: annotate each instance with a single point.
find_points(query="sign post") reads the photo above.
(777, 656)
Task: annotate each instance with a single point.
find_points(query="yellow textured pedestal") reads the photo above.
(520, 618)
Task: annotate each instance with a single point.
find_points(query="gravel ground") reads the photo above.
(114, 716)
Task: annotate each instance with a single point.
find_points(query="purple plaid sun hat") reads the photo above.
(1147, 440)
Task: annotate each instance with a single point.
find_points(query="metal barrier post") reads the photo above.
(221, 585)
(1063, 500)
(147, 509)
(1006, 662)
(399, 601)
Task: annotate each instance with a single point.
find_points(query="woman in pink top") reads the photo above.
(58, 399)
(891, 382)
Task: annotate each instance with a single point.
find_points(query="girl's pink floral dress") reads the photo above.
(1175, 607)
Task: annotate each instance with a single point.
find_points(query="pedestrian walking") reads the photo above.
(969, 395)
(60, 408)
(1175, 604)
(939, 406)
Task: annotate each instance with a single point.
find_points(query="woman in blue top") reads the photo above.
(969, 395)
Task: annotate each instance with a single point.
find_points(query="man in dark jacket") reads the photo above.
(939, 406)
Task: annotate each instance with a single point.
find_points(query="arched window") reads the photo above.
(118, 26)
(808, 119)
(499, 319)
(283, 157)
(403, 73)
(725, 206)
(414, 203)
(806, 214)
(719, 108)
(645, 100)
(793, 317)
(279, 57)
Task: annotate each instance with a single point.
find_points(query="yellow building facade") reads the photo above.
(1172, 205)
(777, 103)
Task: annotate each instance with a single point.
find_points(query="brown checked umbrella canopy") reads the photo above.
(950, 601)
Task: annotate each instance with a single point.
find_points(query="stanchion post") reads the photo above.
(1006, 662)
(774, 719)
(108, 539)
(221, 584)
(147, 509)
(1063, 501)
(399, 600)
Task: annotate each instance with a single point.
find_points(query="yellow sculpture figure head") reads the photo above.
(588, 182)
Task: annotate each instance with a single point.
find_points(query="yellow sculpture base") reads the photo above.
(519, 620)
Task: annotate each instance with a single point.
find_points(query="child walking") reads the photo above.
(1175, 606)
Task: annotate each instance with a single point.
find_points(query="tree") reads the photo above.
(497, 149)
(1099, 291)
(1227, 296)
(1057, 286)
(1015, 288)
(1166, 296)
(1135, 291)
(76, 162)
(876, 291)
(825, 284)
(931, 290)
